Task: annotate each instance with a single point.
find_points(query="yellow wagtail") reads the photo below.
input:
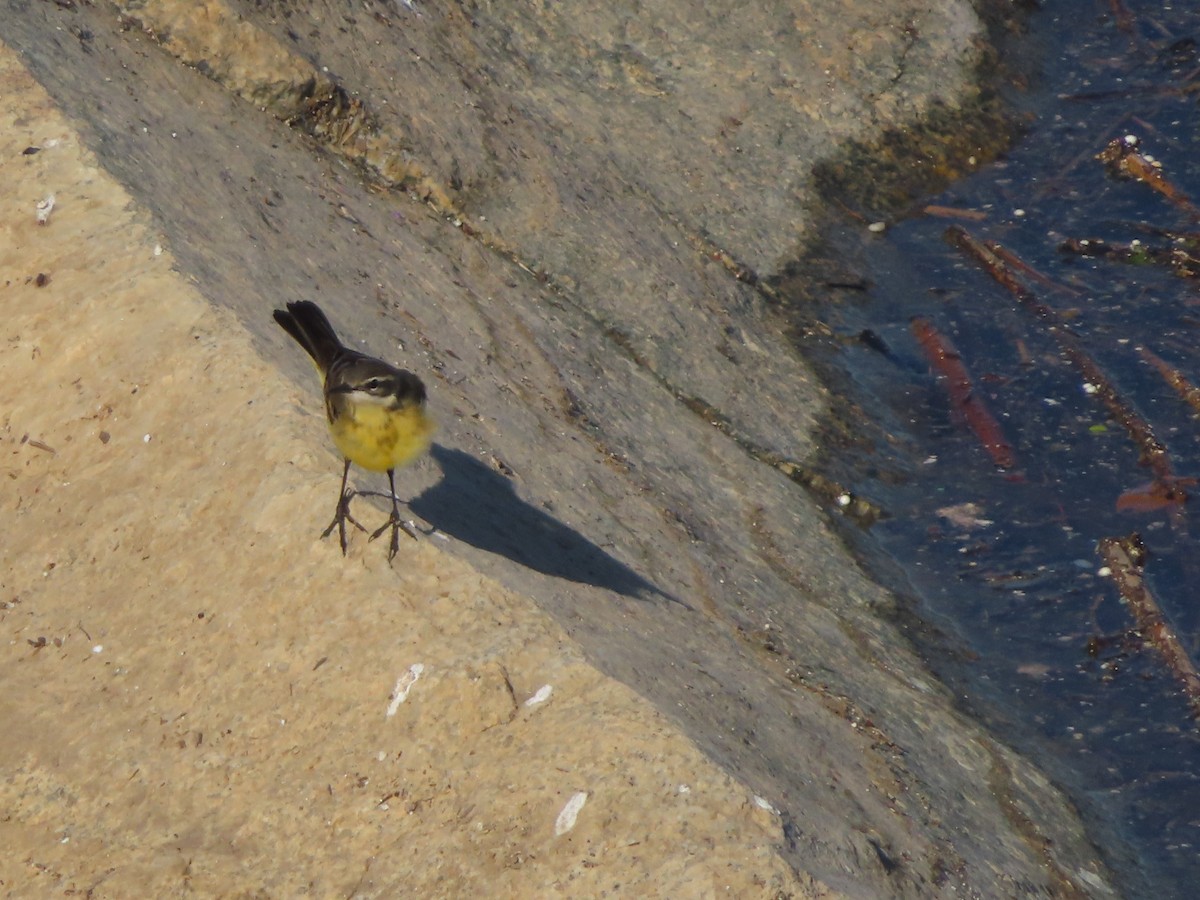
(376, 412)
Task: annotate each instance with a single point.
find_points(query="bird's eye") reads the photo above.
(372, 386)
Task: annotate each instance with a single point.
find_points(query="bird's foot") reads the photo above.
(340, 518)
(395, 523)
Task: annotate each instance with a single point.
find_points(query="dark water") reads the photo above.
(1041, 644)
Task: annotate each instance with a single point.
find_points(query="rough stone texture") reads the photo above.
(209, 710)
(559, 266)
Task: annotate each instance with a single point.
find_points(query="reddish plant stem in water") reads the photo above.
(1152, 454)
(948, 365)
(1172, 376)
(1126, 560)
(1123, 157)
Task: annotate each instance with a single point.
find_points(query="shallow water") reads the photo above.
(1006, 562)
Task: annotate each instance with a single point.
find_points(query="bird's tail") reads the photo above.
(305, 322)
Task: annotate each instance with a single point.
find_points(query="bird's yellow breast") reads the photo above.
(378, 438)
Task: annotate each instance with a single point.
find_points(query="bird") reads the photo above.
(377, 416)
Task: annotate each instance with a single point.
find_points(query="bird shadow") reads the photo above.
(479, 507)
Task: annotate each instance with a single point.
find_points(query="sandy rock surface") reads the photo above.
(200, 697)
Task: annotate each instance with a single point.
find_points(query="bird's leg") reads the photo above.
(343, 512)
(394, 521)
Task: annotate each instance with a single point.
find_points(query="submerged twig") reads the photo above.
(1159, 493)
(1172, 376)
(1122, 15)
(1013, 261)
(1126, 561)
(954, 212)
(1181, 261)
(948, 364)
(1124, 159)
(1152, 454)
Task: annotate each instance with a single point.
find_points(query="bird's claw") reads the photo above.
(395, 523)
(340, 518)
